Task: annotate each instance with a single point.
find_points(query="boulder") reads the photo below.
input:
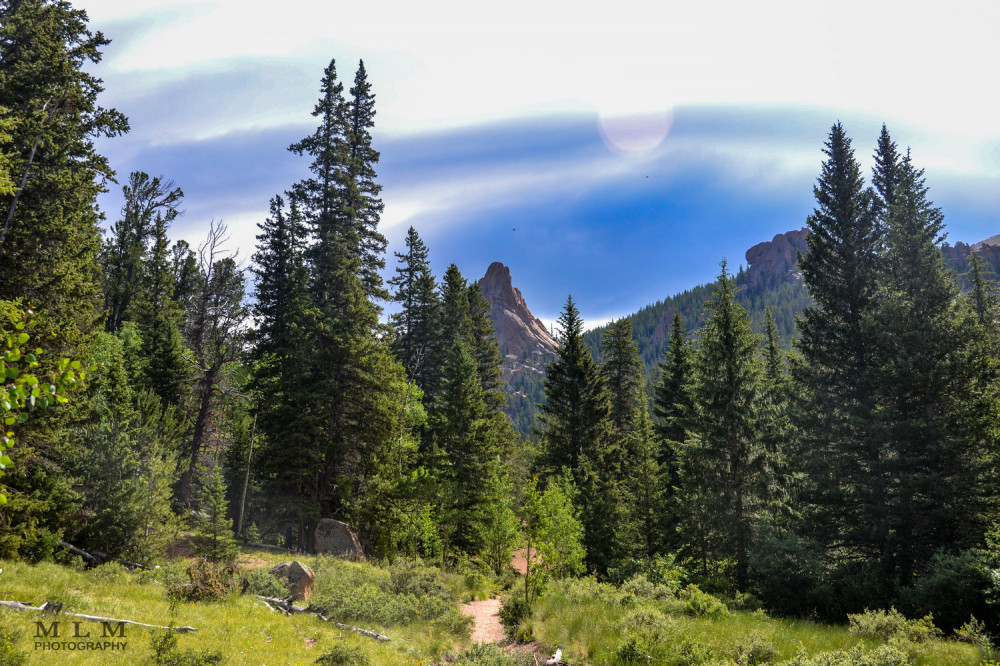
(297, 576)
(336, 538)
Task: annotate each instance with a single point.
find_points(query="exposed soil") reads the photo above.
(520, 562)
(487, 627)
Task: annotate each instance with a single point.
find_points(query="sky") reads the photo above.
(613, 151)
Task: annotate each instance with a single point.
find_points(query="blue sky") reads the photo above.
(615, 152)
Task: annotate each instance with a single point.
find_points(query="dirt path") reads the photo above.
(487, 628)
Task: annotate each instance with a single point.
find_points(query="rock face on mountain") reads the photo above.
(524, 342)
(776, 261)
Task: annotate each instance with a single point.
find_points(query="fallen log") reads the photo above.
(289, 608)
(267, 547)
(97, 557)
(17, 605)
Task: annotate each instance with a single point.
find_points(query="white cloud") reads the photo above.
(445, 63)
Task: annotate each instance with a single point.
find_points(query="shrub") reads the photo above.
(753, 651)
(208, 581)
(409, 577)
(785, 574)
(642, 587)
(701, 604)
(166, 652)
(954, 588)
(891, 654)
(262, 582)
(343, 655)
(690, 653)
(659, 570)
(513, 611)
(111, 572)
(974, 632)
(9, 654)
(649, 618)
(892, 624)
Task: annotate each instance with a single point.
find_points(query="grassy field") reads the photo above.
(417, 607)
(241, 627)
(601, 625)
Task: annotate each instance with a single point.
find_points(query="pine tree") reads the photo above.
(149, 203)
(983, 296)
(486, 351)
(577, 435)
(363, 195)
(160, 318)
(885, 177)
(349, 412)
(933, 414)
(49, 239)
(215, 539)
(417, 323)
(575, 418)
(836, 373)
(672, 399)
(470, 443)
(622, 370)
(727, 475)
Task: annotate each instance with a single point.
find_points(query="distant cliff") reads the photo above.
(774, 262)
(525, 344)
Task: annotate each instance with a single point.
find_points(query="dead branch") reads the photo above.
(290, 608)
(17, 605)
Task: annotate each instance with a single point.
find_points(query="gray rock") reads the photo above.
(297, 576)
(336, 538)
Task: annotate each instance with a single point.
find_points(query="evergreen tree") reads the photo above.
(727, 472)
(150, 206)
(672, 399)
(622, 371)
(836, 374)
(885, 177)
(983, 296)
(470, 443)
(214, 539)
(348, 415)
(486, 352)
(575, 418)
(160, 319)
(576, 434)
(417, 323)
(363, 194)
(49, 239)
(933, 414)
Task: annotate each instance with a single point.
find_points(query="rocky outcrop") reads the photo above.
(333, 537)
(774, 262)
(525, 344)
(297, 576)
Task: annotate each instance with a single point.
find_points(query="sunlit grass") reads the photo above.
(241, 627)
(590, 622)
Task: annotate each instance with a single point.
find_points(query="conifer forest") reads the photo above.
(804, 471)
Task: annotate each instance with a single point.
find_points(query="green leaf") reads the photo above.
(75, 365)
(22, 338)
(3, 499)
(22, 417)
(10, 420)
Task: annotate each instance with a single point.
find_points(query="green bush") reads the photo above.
(659, 570)
(785, 574)
(892, 624)
(111, 572)
(642, 587)
(207, 581)
(513, 611)
(753, 651)
(954, 588)
(646, 617)
(690, 653)
(10, 655)
(413, 577)
(262, 582)
(974, 632)
(885, 655)
(343, 655)
(701, 604)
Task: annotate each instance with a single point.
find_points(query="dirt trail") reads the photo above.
(487, 628)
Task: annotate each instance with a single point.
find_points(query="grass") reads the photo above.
(241, 627)
(598, 624)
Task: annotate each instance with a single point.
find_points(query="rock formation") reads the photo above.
(774, 262)
(297, 576)
(336, 538)
(525, 344)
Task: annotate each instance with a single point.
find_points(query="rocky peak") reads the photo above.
(522, 337)
(774, 262)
